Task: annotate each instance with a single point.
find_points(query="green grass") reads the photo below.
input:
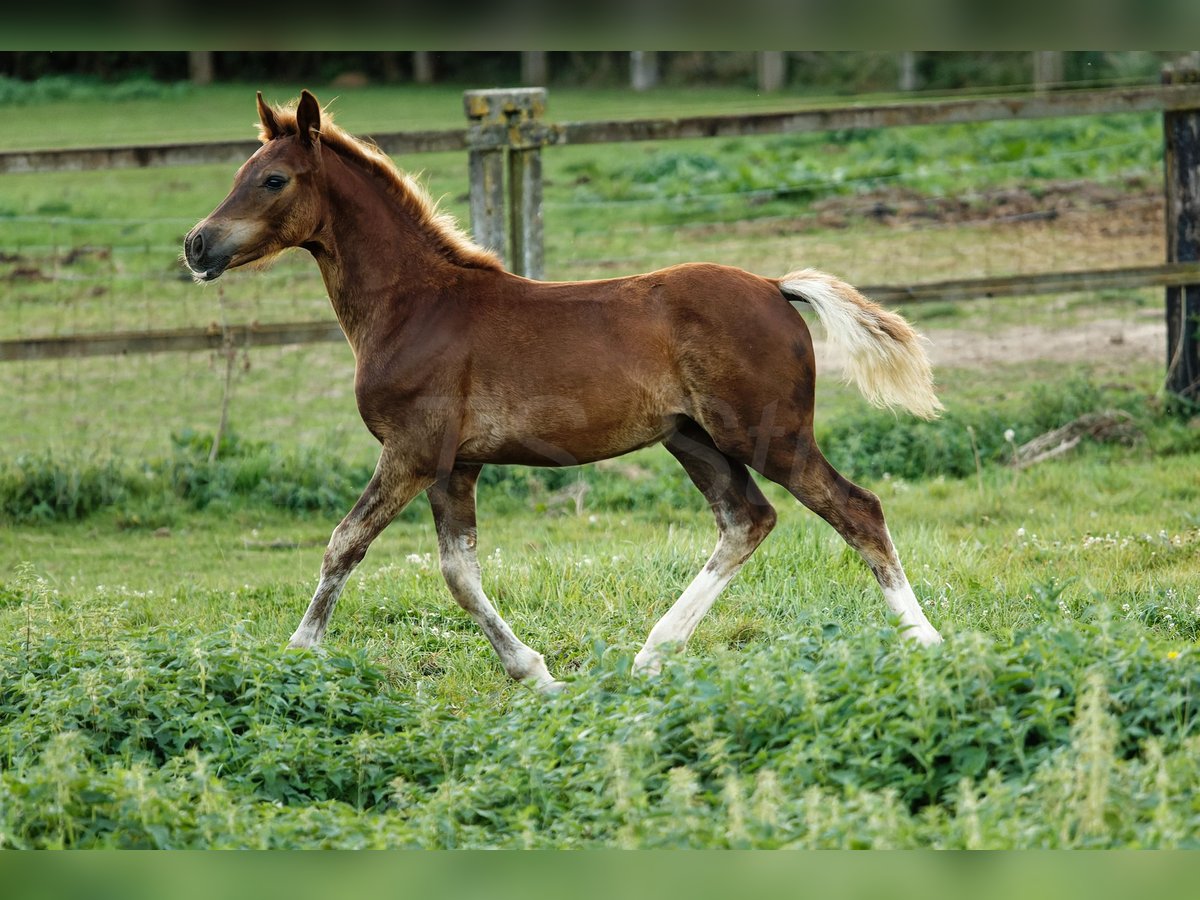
(145, 687)
(334, 758)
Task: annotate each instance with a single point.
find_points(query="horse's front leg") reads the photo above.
(453, 502)
(391, 488)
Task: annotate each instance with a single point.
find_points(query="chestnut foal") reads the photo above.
(460, 363)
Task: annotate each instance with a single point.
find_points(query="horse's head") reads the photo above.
(276, 199)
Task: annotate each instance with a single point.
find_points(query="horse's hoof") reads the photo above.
(311, 648)
(544, 683)
(925, 637)
(647, 665)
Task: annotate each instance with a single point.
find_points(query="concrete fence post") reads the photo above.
(508, 123)
(1181, 171)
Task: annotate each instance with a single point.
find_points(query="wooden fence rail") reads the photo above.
(216, 337)
(888, 115)
(15, 162)
(497, 135)
(169, 340)
(1164, 275)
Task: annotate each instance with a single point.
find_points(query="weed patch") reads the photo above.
(800, 168)
(863, 443)
(169, 740)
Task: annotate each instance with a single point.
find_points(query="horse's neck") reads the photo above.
(375, 256)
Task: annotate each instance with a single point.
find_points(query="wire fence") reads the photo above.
(65, 274)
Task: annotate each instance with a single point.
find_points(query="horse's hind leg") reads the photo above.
(391, 488)
(744, 518)
(453, 504)
(857, 515)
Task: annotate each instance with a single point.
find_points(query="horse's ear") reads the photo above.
(308, 119)
(266, 115)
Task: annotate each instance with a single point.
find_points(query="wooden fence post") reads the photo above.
(485, 173)
(908, 70)
(534, 69)
(643, 69)
(525, 211)
(423, 72)
(507, 121)
(200, 66)
(1047, 69)
(772, 70)
(1181, 169)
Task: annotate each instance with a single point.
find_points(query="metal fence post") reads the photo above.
(1181, 169)
(508, 121)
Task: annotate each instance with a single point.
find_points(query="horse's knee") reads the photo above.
(346, 550)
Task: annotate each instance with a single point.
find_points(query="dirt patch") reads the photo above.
(78, 254)
(1058, 225)
(1110, 340)
(1131, 204)
(27, 273)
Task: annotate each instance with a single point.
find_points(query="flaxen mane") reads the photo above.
(406, 190)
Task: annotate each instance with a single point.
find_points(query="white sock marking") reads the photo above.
(461, 570)
(914, 625)
(682, 618)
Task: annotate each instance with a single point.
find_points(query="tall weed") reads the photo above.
(871, 444)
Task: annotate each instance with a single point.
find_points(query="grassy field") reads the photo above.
(146, 694)
(146, 594)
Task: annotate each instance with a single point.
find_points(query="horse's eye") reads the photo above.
(274, 182)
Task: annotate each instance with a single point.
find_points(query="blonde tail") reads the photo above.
(887, 357)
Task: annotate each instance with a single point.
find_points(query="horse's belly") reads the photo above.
(560, 435)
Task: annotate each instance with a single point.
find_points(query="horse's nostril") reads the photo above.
(197, 245)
